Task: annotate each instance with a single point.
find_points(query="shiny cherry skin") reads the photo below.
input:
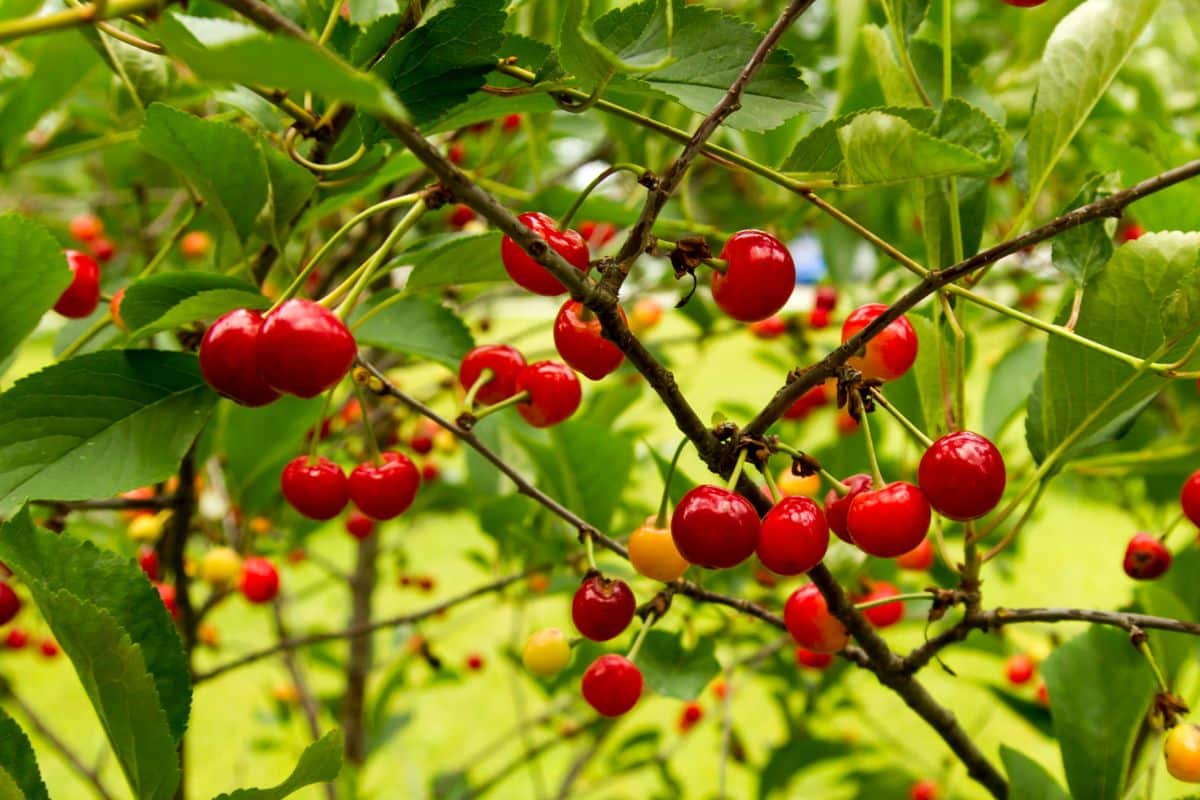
(602, 608)
(85, 227)
(962, 475)
(838, 505)
(229, 358)
(385, 490)
(359, 525)
(1189, 498)
(1024, 3)
(147, 559)
(303, 349)
(504, 362)
(529, 274)
(580, 341)
(890, 521)
(891, 353)
(83, 295)
(1019, 669)
(809, 622)
(554, 393)
(10, 604)
(887, 614)
(808, 402)
(714, 527)
(817, 661)
(770, 328)
(919, 559)
(166, 593)
(260, 580)
(1181, 749)
(318, 490)
(612, 685)
(793, 537)
(758, 279)
(1146, 557)
(652, 553)
(925, 789)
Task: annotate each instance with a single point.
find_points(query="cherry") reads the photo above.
(166, 593)
(602, 608)
(1189, 497)
(303, 349)
(962, 475)
(1181, 749)
(818, 319)
(260, 580)
(195, 244)
(597, 234)
(229, 358)
(808, 620)
(83, 295)
(1019, 669)
(1130, 233)
(85, 227)
(114, 308)
(531, 275)
(546, 652)
(10, 604)
(720, 689)
(793, 536)
(457, 153)
(647, 312)
(359, 525)
(919, 559)
(48, 648)
(714, 527)
(430, 472)
(807, 403)
(770, 328)
(758, 279)
(511, 122)
(220, 566)
(1025, 3)
(793, 485)
(317, 490)
(838, 505)
(475, 662)
(554, 393)
(691, 714)
(612, 685)
(387, 490)
(890, 521)
(846, 424)
(924, 789)
(887, 614)
(891, 353)
(16, 638)
(504, 362)
(1146, 557)
(460, 216)
(653, 553)
(421, 443)
(1043, 695)
(147, 560)
(581, 343)
(807, 658)
(825, 297)
(102, 249)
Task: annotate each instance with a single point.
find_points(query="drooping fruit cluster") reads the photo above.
(526, 272)
(809, 621)
(319, 489)
(545, 392)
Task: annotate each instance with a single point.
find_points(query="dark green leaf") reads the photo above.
(1027, 779)
(1081, 252)
(453, 260)
(364, 12)
(257, 442)
(33, 268)
(1010, 382)
(319, 763)
(909, 14)
(672, 670)
(19, 762)
(596, 461)
(291, 186)
(174, 299)
(59, 63)
(790, 759)
(410, 324)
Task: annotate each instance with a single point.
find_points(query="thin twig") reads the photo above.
(89, 775)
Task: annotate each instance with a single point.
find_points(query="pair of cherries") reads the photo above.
(819, 634)
(550, 388)
(1147, 556)
(300, 348)
(601, 610)
(319, 489)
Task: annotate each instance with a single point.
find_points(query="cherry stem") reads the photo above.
(519, 397)
(649, 620)
(771, 485)
(368, 428)
(485, 375)
(660, 521)
(316, 429)
(715, 264)
(1143, 646)
(870, 440)
(636, 169)
(589, 546)
(1171, 526)
(896, 598)
(737, 469)
(371, 267)
(917, 434)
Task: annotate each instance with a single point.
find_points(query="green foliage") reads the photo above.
(319, 763)
(33, 268)
(418, 326)
(59, 63)
(177, 299)
(1027, 778)
(673, 670)
(18, 763)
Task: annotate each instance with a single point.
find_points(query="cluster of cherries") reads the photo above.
(496, 375)
(1147, 556)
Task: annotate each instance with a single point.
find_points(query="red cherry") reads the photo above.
(102, 249)
(714, 527)
(919, 559)
(927, 789)
(83, 295)
(387, 490)
(890, 521)
(808, 620)
(1130, 233)
(16, 638)
(890, 354)
(260, 580)
(554, 393)
(1024, 3)
(807, 658)
(511, 122)
(474, 662)
(359, 525)
(317, 490)
(1189, 497)
(597, 234)
(421, 443)
(807, 403)
(457, 153)
(612, 685)
(460, 216)
(10, 604)
(430, 472)
(770, 328)
(602, 608)
(581, 343)
(531, 275)
(229, 358)
(425, 583)
(147, 558)
(886, 614)
(962, 475)
(692, 713)
(1146, 557)
(85, 227)
(48, 648)
(758, 279)
(818, 319)
(303, 349)
(504, 362)
(793, 536)
(825, 297)
(166, 593)
(837, 505)
(1019, 669)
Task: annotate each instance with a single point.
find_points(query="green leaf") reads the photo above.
(33, 268)
(58, 63)
(788, 760)
(173, 299)
(580, 57)
(364, 12)
(1027, 779)
(227, 50)
(454, 260)
(257, 442)
(1010, 382)
(1095, 725)
(19, 763)
(121, 641)
(220, 159)
(420, 326)
(1081, 59)
(99, 424)
(320, 762)
(596, 462)
(673, 671)
(291, 186)
(146, 76)
(1081, 252)
(898, 89)
(909, 14)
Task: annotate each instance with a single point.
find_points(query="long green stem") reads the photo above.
(1144, 647)
(316, 431)
(485, 375)
(772, 487)
(370, 268)
(898, 37)
(90, 333)
(641, 637)
(896, 598)
(72, 17)
(368, 428)
(917, 434)
(486, 411)
(876, 475)
(636, 169)
(737, 469)
(660, 521)
(589, 546)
